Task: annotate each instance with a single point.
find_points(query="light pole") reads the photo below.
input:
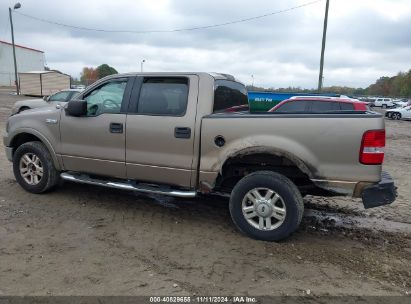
(320, 77)
(141, 65)
(16, 6)
(252, 82)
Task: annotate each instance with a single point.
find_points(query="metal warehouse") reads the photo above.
(28, 59)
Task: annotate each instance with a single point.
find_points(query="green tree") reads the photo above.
(398, 86)
(105, 70)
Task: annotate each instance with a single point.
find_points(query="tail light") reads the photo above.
(372, 147)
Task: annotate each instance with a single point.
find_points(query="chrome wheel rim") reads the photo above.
(264, 209)
(31, 168)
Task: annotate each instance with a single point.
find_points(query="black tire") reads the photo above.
(281, 185)
(50, 176)
(384, 106)
(396, 116)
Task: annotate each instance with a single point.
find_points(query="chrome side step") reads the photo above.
(85, 179)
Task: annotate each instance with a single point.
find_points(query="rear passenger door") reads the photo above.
(160, 130)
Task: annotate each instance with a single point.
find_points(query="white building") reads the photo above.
(28, 59)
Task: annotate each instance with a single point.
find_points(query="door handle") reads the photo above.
(116, 127)
(182, 132)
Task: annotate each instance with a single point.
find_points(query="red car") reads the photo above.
(319, 105)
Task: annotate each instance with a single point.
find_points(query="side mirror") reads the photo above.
(76, 107)
(46, 98)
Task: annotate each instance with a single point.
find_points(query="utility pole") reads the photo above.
(252, 83)
(16, 6)
(320, 77)
(141, 65)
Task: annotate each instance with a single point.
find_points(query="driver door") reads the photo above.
(95, 143)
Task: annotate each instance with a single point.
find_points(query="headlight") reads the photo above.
(7, 126)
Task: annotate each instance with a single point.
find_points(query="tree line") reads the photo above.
(396, 86)
(90, 74)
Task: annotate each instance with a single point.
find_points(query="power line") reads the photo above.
(172, 30)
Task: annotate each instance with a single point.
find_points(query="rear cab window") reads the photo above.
(228, 95)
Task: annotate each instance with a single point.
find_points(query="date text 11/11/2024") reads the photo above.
(203, 299)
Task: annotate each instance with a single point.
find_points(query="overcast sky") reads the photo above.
(366, 39)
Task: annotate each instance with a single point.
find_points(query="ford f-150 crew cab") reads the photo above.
(177, 134)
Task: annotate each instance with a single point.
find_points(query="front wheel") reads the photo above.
(266, 206)
(384, 106)
(33, 167)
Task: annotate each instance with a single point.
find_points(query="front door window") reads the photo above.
(106, 98)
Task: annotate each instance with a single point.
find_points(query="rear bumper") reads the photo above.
(382, 193)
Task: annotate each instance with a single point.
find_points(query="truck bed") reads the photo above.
(327, 144)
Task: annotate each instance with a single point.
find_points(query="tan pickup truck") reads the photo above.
(179, 134)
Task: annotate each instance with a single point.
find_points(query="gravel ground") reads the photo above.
(84, 240)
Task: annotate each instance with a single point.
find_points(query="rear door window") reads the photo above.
(229, 94)
(293, 107)
(163, 96)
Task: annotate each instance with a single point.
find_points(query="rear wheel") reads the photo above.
(396, 116)
(33, 167)
(266, 206)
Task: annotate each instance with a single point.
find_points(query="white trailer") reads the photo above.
(43, 83)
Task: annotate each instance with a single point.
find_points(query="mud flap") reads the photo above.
(380, 194)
